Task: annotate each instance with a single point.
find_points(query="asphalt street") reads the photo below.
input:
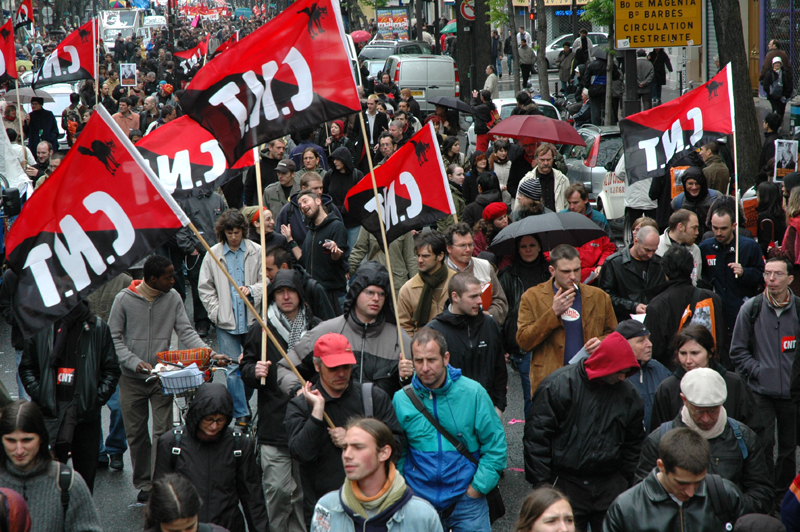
(115, 495)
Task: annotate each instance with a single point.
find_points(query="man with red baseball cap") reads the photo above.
(315, 445)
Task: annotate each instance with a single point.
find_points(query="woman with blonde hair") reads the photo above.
(545, 510)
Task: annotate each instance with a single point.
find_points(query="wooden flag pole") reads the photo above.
(21, 127)
(383, 231)
(257, 159)
(96, 65)
(252, 309)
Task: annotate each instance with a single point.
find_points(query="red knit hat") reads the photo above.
(341, 126)
(495, 210)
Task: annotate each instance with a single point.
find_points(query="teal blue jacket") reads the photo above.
(433, 468)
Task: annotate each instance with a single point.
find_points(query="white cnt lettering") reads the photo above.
(52, 67)
(673, 139)
(218, 162)
(2, 64)
(181, 168)
(391, 216)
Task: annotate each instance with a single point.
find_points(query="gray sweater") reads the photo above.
(39, 487)
(141, 329)
(768, 368)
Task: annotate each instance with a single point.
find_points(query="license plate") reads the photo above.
(418, 93)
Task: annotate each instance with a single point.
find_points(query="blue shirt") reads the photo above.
(235, 262)
(573, 327)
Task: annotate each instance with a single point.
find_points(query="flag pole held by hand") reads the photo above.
(252, 309)
(257, 159)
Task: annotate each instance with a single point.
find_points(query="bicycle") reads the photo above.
(183, 386)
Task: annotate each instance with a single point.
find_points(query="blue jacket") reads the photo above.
(416, 515)
(646, 381)
(716, 271)
(433, 468)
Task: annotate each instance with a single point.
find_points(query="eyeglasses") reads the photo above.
(464, 246)
(214, 420)
(371, 294)
(774, 275)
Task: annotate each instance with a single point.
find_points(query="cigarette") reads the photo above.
(576, 286)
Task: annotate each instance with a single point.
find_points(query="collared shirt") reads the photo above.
(127, 123)
(234, 260)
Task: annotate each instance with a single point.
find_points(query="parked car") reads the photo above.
(504, 107)
(553, 49)
(587, 164)
(425, 75)
(383, 49)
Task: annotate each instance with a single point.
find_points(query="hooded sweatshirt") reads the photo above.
(292, 216)
(318, 261)
(375, 345)
(338, 184)
(222, 480)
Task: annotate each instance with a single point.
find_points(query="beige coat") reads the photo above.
(409, 299)
(214, 288)
(560, 186)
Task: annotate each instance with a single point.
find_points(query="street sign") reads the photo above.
(658, 23)
(468, 9)
(47, 15)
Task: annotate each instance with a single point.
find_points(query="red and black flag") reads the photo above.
(290, 74)
(187, 159)
(72, 60)
(102, 210)
(652, 138)
(413, 188)
(8, 55)
(191, 57)
(24, 15)
(224, 46)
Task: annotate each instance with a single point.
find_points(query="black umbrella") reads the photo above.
(553, 229)
(451, 103)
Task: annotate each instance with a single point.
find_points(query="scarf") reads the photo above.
(714, 431)
(68, 332)
(431, 281)
(392, 491)
(290, 331)
(774, 302)
(147, 292)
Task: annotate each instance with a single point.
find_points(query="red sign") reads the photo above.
(468, 9)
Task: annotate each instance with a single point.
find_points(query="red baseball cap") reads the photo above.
(334, 350)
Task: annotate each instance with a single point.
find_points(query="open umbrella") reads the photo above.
(360, 36)
(553, 229)
(538, 127)
(451, 103)
(25, 95)
(450, 27)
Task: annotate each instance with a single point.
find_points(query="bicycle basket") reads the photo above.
(181, 381)
(186, 357)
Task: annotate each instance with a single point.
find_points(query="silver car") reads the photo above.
(587, 164)
(553, 49)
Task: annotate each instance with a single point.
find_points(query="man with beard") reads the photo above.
(554, 183)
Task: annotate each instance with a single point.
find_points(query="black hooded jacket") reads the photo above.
(337, 184)
(271, 400)
(318, 261)
(476, 348)
(474, 211)
(221, 479)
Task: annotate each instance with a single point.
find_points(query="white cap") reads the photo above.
(777, 59)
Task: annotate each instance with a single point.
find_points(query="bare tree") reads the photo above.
(541, 60)
(512, 24)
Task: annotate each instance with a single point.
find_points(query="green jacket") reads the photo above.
(460, 204)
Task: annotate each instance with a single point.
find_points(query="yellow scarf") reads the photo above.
(392, 491)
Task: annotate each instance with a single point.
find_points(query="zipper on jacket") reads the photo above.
(680, 514)
(363, 345)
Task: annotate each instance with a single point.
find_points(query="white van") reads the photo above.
(425, 75)
(351, 54)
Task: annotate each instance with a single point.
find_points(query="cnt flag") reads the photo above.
(224, 46)
(76, 233)
(290, 74)
(73, 59)
(24, 15)
(413, 188)
(187, 159)
(193, 56)
(8, 56)
(652, 138)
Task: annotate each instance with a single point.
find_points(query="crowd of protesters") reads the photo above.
(384, 410)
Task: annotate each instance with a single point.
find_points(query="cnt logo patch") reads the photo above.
(711, 260)
(65, 376)
(788, 343)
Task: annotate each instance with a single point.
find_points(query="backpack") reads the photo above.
(776, 88)
(700, 311)
(176, 449)
(737, 432)
(494, 120)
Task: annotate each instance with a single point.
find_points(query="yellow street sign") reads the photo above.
(658, 23)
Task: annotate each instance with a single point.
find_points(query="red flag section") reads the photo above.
(24, 15)
(290, 74)
(651, 138)
(191, 57)
(72, 60)
(224, 46)
(102, 210)
(8, 56)
(187, 159)
(412, 186)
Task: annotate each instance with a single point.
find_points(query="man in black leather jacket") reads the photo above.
(71, 370)
(675, 495)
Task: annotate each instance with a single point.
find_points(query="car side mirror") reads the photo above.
(609, 166)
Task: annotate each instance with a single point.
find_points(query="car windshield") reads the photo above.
(548, 111)
(609, 146)
(376, 52)
(375, 67)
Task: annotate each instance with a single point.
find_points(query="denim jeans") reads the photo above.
(469, 515)
(498, 64)
(352, 236)
(523, 364)
(22, 393)
(510, 62)
(656, 91)
(231, 345)
(115, 442)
